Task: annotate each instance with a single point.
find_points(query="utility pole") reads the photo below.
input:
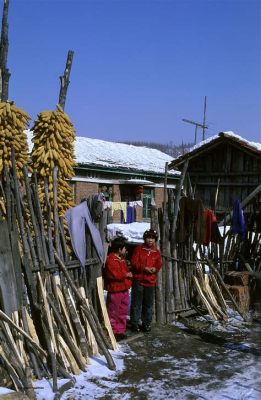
(204, 118)
(198, 124)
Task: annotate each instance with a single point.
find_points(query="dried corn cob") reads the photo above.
(13, 123)
(54, 146)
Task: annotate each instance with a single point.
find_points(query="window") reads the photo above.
(107, 191)
(148, 195)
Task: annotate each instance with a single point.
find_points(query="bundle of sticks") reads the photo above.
(51, 328)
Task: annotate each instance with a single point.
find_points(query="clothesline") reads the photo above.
(127, 208)
(110, 204)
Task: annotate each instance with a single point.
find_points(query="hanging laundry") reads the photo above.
(77, 218)
(120, 205)
(130, 215)
(96, 205)
(238, 220)
(107, 204)
(212, 233)
(191, 219)
(136, 203)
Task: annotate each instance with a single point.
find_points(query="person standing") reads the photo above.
(118, 280)
(146, 262)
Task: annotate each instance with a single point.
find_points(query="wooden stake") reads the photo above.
(105, 314)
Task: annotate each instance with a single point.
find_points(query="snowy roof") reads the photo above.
(229, 134)
(206, 143)
(96, 152)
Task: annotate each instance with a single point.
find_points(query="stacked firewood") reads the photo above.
(210, 294)
(55, 329)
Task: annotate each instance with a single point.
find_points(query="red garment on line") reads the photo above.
(210, 220)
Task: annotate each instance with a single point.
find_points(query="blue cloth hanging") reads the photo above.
(238, 220)
(130, 215)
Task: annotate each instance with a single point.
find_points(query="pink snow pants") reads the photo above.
(117, 306)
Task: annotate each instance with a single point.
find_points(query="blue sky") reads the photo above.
(140, 66)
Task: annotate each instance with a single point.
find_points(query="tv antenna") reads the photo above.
(198, 124)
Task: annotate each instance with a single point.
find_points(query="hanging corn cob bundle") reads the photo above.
(13, 123)
(54, 147)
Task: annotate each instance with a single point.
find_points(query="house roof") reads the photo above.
(207, 144)
(101, 153)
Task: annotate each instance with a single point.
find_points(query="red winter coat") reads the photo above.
(143, 257)
(115, 276)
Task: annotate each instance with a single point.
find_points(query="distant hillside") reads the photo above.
(172, 149)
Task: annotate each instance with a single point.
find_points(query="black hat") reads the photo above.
(118, 243)
(150, 233)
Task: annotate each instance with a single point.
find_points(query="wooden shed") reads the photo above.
(221, 169)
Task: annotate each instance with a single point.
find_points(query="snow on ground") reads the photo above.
(4, 390)
(132, 232)
(169, 376)
(84, 385)
(172, 364)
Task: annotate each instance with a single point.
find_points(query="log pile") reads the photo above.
(52, 330)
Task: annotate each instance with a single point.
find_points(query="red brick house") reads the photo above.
(122, 172)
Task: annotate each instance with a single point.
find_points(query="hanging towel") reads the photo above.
(238, 220)
(77, 218)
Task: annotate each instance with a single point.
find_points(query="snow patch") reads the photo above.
(132, 232)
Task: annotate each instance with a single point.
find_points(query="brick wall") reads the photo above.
(116, 194)
(84, 189)
(159, 194)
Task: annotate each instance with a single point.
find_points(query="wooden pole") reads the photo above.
(64, 79)
(5, 317)
(100, 340)
(177, 294)
(4, 44)
(177, 199)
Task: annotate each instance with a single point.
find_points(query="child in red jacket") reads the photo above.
(117, 282)
(146, 262)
